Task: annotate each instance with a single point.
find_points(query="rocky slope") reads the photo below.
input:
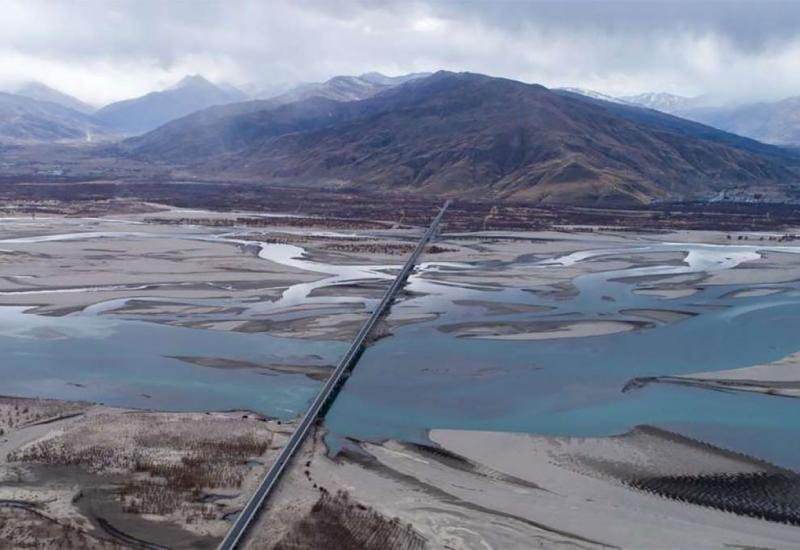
(469, 135)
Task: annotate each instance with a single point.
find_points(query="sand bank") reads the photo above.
(660, 315)
(756, 292)
(668, 293)
(779, 378)
(503, 490)
(501, 308)
(315, 372)
(541, 330)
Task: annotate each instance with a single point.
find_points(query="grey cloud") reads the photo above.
(108, 49)
(749, 24)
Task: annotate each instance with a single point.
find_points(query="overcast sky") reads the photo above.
(104, 50)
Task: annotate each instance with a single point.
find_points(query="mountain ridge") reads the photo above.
(43, 92)
(463, 134)
(141, 114)
(25, 120)
(773, 122)
(346, 87)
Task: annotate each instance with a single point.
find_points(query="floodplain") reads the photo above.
(528, 386)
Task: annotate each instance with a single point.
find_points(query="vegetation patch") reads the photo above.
(168, 461)
(336, 521)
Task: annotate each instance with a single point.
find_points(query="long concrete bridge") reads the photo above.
(326, 395)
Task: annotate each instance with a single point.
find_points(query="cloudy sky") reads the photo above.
(104, 50)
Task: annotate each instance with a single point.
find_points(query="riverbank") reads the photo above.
(548, 492)
(101, 476)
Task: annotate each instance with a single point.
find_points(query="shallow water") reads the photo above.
(124, 361)
(128, 363)
(423, 378)
(573, 386)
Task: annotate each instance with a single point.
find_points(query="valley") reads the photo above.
(429, 275)
(253, 308)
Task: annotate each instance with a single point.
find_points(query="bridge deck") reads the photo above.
(245, 518)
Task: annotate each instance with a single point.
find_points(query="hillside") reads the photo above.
(476, 136)
(228, 127)
(142, 114)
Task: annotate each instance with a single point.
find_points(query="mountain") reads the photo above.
(662, 101)
(235, 93)
(42, 92)
(223, 127)
(142, 114)
(469, 135)
(23, 119)
(771, 122)
(346, 88)
(382, 79)
(339, 88)
(592, 94)
(265, 90)
(231, 127)
(775, 122)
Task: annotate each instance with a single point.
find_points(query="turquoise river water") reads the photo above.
(423, 378)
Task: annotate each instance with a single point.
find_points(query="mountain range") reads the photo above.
(339, 88)
(24, 119)
(43, 92)
(141, 114)
(665, 102)
(224, 127)
(36, 112)
(775, 122)
(346, 88)
(470, 135)
(593, 95)
(454, 134)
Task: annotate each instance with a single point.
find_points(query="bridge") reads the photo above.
(326, 395)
